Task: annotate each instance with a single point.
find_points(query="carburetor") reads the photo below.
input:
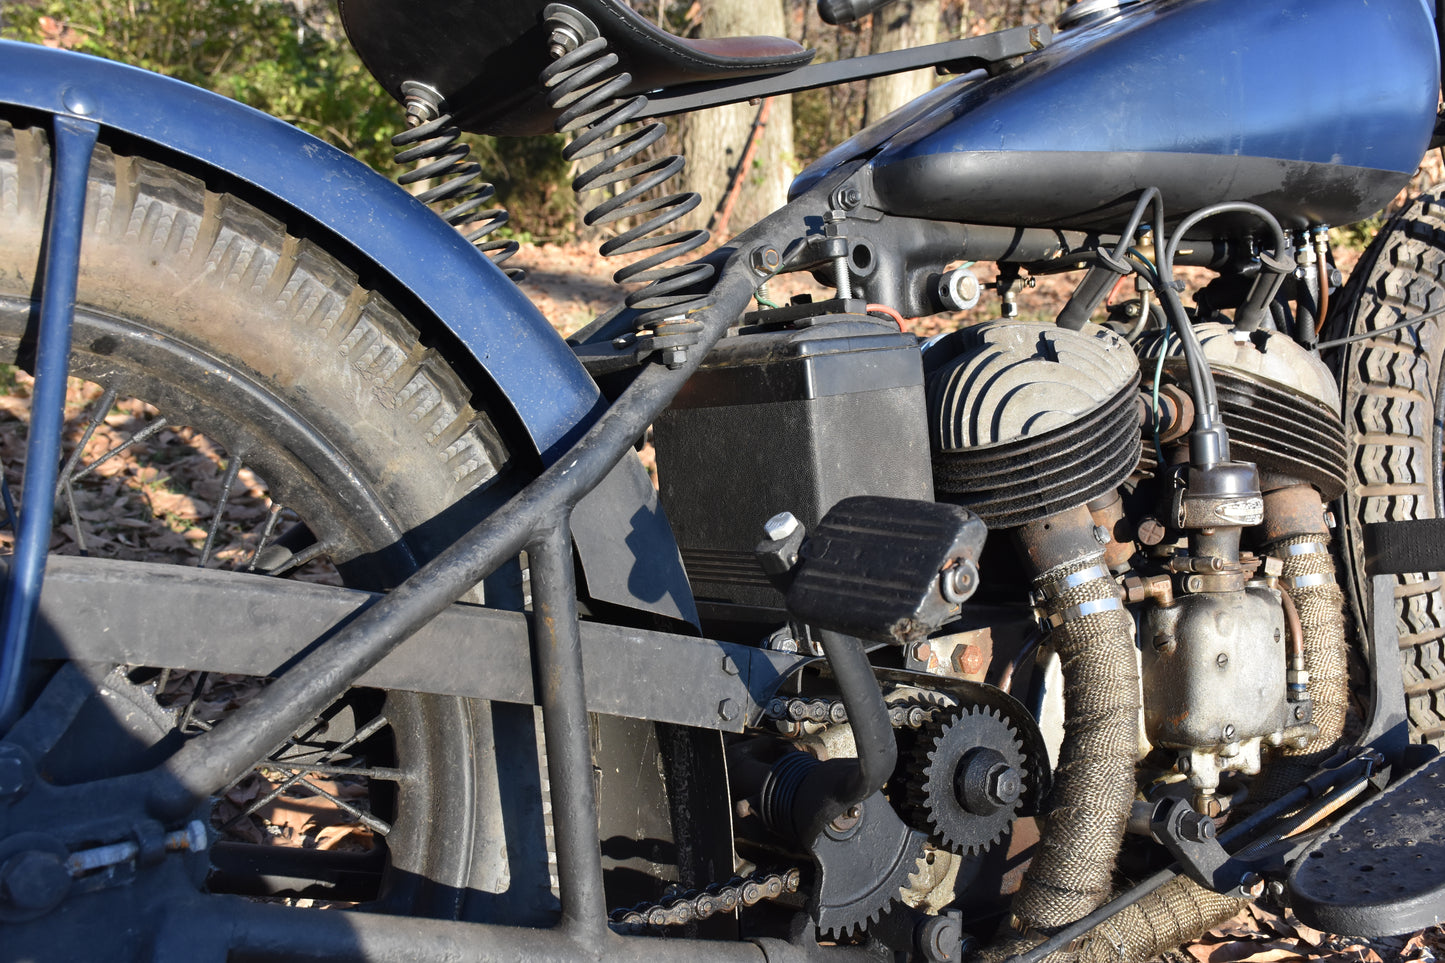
(1222, 664)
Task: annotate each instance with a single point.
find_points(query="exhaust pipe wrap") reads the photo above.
(1094, 780)
(1181, 909)
(1309, 579)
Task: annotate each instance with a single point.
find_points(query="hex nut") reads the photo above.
(1004, 784)
(1196, 827)
(780, 526)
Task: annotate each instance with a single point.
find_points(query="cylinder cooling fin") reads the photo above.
(1281, 405)
(1029, 419)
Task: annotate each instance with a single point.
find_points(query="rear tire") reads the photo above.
(214, 312)
(1394, 398)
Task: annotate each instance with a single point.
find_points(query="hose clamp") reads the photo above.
(1306, 548)
(1054, 588)
(1093, 607)
(1308, 581)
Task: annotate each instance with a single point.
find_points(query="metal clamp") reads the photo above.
(1093, 607)
(1057, 587)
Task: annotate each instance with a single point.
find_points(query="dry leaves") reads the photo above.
(1258, 935)
(300, 815)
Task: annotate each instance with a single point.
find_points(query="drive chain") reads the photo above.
(796, 709)
(695, 905)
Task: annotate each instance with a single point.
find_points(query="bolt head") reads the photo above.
(956, 584)
(1005, 785)
(674, 357)
(984, 782)
(766, 259)
(780, 526)
(847, 820)
(727, 710)
(34, 880)
(1151, 531)
(77, 101)
(968, 659)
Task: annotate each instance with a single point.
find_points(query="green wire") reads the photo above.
(1158, 376)
(1153, 271)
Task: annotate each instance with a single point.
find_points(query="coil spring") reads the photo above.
(434, 146)
(584, 86)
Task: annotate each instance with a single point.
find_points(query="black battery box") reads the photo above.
(792, 417)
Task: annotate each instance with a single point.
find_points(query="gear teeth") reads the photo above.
(930, 803)
(903, 872)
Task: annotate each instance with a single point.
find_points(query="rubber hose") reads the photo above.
(1094, 782)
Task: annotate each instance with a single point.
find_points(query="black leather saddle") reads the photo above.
(486, 56)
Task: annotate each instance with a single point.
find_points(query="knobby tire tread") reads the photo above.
(177, 258)
(1392, 389)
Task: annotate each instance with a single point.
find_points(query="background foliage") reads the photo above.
(290, 59)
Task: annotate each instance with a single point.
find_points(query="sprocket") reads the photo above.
(967, 779)
(864, 861)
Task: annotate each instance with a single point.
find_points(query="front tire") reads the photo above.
(1393, 387)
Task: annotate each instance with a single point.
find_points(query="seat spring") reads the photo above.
(434, 147)
(585, 86)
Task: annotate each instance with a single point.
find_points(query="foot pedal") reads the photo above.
(887, 569)
(1381, 872)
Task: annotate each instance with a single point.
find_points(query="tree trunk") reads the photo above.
(715, 140)
(899, 26)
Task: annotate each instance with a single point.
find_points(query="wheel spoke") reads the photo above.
(75, 520)
(308, 554)
(300, 771)
(67, 474)
(189, 713)
(273, 516)
(121, 448)
(233, 468)
(378, 826)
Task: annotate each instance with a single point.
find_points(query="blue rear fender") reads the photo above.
(628, 553)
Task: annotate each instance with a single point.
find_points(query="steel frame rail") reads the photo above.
(537, 519)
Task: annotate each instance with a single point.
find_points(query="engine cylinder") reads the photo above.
(1281, 405)
(1028, 420)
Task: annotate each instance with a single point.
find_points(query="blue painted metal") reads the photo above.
(74, 140)
(552, 394)
(536, 373)
(1330, 82)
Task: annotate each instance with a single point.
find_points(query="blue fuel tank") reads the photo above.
(1318, 110)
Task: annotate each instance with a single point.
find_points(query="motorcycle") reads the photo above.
(1026, 642)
